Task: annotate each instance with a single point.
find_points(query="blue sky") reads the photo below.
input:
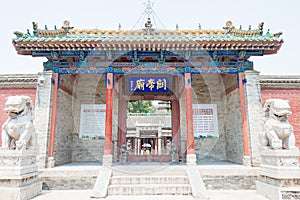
(278, 16)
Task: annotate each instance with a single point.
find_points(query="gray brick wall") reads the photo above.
(255, 114)
(233, 128)
(42, 119)
(87, 89)
(64, 128)
(87, 150)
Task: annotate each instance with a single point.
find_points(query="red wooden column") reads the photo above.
(244, 114)
(107, 157)
(176, 124)
(191, 157)
(53, 121)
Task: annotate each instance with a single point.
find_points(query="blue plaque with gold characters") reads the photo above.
(148, 83)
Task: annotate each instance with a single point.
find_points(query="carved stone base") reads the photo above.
(279, 174)
(18, 174)
(16, 163)
(281, 164)
(50, 162)
(247, 161)
(107, 160)
(191, 160)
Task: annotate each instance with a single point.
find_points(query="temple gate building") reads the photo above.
(91, 75)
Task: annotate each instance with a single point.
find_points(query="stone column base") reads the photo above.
(246, 161)
(107, 160)
(191, 160)
(50, 162)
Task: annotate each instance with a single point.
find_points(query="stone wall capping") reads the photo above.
(18, 80)
(281, 81)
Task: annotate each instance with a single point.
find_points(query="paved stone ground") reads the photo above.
(85, 195)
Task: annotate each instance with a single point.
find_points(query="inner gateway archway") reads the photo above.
(220, 90)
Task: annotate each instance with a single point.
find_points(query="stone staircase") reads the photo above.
(149, 185)
(144, 180)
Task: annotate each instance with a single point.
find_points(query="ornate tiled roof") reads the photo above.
(68, 38)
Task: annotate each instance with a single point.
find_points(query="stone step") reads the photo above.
(149, 170)
(149, 180)
(150, 189)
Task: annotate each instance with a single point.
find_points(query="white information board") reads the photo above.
(92, 121)
(205, 118)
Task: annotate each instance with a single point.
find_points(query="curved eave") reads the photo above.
(27, 47)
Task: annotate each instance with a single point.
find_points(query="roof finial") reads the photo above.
(119, 26)
(177, 27)
(55, 27)
(199, 26)
(46, 28)
(148, 26)
(148, 10)
(249, 28)
(150, 13)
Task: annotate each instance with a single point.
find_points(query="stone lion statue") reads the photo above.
(278, 133)
(18, 131)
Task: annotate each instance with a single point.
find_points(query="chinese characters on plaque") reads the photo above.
(205, 118)
(148, 84)
(92, 121)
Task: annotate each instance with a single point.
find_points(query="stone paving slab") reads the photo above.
(85, 195)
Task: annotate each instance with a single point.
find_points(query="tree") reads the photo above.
(140, 106)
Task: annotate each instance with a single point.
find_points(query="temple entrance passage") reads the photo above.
(149, 135)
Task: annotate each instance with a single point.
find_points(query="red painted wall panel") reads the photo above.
(4, 93)
(288, 94)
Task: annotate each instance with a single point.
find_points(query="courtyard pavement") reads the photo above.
(85, 195)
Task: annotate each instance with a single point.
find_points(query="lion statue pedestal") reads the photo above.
(279, 174)
(18, 168)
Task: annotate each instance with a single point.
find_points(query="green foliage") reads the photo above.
(140, 106)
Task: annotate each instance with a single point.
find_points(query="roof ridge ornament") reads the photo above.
(66, 26)
(148, 27)
(229, 27)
